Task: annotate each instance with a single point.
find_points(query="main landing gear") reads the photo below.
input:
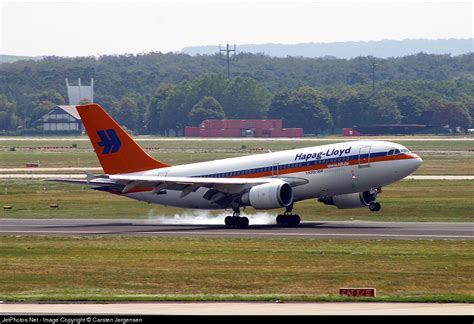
(236, 220)
(288, 219)
(374, 206)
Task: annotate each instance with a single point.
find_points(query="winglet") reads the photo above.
(116, 150)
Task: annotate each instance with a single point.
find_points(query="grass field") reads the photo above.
(409, 200)
(109, 268)
(181, 268)
(438, 143)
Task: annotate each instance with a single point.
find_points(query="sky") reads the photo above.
(82, 28)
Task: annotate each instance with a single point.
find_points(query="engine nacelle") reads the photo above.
(269, 195)
(352, 200)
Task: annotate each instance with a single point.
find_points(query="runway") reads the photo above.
(238, 308)
(311, 230)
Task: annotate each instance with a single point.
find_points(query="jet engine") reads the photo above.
(268, 196)
(352, 200)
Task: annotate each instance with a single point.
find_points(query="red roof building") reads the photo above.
(242, 128)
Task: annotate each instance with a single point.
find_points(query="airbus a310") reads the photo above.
(346, 175)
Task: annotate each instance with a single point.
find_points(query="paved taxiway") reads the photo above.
(241, 308)
(319, 229)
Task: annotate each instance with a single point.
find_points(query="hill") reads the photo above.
(347, 50)
(14, 58)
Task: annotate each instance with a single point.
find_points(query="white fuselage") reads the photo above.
(326, 170)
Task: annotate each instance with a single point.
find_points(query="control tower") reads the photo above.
(79, 92)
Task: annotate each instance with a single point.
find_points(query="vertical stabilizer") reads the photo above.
(116, 150)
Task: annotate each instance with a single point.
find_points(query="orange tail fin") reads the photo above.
(116, 150)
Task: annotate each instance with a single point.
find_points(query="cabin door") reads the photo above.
(275, 168)
(364, 156)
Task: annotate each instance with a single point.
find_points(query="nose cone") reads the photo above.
(418, 160)
(413, 164)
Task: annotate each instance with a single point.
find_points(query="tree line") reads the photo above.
(160, 93)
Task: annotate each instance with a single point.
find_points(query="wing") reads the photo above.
(225, 186)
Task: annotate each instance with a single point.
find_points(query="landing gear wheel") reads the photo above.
(374, 206)
(294, 220)
(242, 222)
(236, 220)
(280, 219)
(288, 220)
(229, 221)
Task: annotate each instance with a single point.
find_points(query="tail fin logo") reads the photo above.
(109, 140)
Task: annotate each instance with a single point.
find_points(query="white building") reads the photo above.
(61, 119)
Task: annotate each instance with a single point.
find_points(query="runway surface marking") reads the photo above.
(241, 308)
(320, 229)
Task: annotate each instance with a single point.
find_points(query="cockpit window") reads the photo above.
(397, 151)
(390, 152)
(405, 151)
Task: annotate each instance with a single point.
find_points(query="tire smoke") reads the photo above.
(207, 218)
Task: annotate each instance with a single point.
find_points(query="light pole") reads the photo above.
(373, 77)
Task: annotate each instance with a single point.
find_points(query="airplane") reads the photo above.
(346, 175)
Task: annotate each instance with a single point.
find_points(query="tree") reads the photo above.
(34, 85)
(206, 108)
(470, 109)
(155, 109)
(451, 114)
(174, 114)
(106, 101)
(357, 108)
(126, 112)
(49, 95)
(207, 84)
(7, 114)
(39, 109)
(245, 98)
(141, 102)
(301, 108)
(411, 108)
(40, 104)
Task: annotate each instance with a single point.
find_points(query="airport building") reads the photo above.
(61, 119)
(242, 128)
(65, 118)
(386, 129)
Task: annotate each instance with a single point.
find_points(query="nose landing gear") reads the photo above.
(374, 206)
